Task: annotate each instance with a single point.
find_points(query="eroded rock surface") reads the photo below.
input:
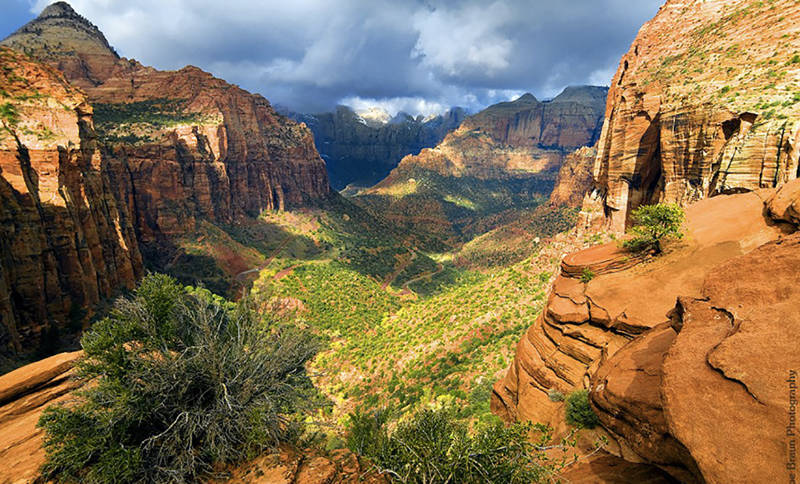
(703, 103)
(681, 386)
(24, 394)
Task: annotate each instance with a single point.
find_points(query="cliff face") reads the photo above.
(361, 152)
(571, 120)
(133, 165)
(66, 243)
(671, 383)
(703, 103)
(172, 138)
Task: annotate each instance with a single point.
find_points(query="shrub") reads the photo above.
(652, 225)
(579, 412)
(555, 396)
(587, 275)
(180, 382)
(433, 447)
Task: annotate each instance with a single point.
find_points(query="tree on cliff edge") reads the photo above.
(652, 225)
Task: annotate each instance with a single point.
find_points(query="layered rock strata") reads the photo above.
(703, 103)
(174, 138)
(66, 241)
(133, 165)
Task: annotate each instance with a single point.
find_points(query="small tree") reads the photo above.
(180, 381)
(579, 411)
(652, 225)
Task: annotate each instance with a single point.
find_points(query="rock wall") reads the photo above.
(66, 243)
(574, 178)
(703, 103)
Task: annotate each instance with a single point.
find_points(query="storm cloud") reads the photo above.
(416, 56)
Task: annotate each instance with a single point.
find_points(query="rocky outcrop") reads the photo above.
(703, 103)
(66, 241)
(574, 178)
(360, 152)
(673, 383)
(24, 394)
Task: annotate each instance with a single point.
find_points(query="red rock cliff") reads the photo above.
(180, 144)
(704, 102)
(66, 243)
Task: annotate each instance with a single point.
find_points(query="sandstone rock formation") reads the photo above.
(704, 102)
(24, 394)
(66, 242)
(174, 137)
(172, 148)
(689, 387)
(515, 137)
(362, 153)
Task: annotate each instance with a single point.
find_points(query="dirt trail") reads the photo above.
(240, 277)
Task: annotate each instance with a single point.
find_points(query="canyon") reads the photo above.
(461, 277)
(96, 181)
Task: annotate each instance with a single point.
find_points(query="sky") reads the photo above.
(417, 56)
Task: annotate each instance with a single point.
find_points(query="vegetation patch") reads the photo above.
(180, 381)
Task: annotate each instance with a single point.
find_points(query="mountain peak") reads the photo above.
(59, 29)
(527, 98)
(58, 9)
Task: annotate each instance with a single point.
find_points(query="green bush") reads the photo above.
(579, 412)
(180, 382)
(587, 275)
(652, 225)
(433, 447)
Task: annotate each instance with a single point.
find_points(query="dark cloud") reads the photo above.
(418, 56)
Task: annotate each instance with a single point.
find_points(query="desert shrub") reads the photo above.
(555, 396)
(652, 225)
(579, 412)
(180, 382)
(587, 275)
(432, 446)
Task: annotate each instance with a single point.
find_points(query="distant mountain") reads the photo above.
(362, 148)
(502, 159)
